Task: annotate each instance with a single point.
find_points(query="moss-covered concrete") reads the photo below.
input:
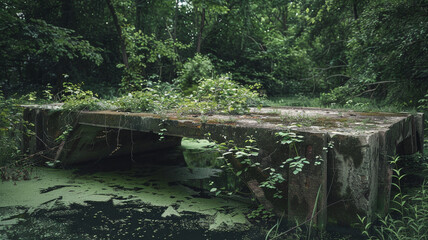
(355, 147)
(154, 190)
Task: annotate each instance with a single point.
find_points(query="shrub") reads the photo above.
(195, 69)
(75, 99)
(223, 95)
(137, 101)
(220, 95)
(423, 107)
(8, 124)
(409, 213)
(338, 95)
(12, 129)
(159, 98)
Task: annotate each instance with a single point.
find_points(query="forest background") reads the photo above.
(332, 49)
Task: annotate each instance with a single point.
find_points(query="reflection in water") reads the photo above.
(200, 155)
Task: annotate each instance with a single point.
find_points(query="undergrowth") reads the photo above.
(408, 217)
(13, 162)
(352, 103)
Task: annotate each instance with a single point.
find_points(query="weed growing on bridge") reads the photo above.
(244, 155)
(75, 98)
(291, 139)
(213, 95)
(162, 130)
(138, 101)
(243, 162)
(65, 133)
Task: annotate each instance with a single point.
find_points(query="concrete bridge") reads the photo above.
(354, 176)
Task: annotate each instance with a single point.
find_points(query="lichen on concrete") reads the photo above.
(357, 170)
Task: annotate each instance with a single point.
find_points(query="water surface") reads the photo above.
(160, 195)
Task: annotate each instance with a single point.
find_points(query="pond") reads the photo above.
(159, 195)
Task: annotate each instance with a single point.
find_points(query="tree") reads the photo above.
(34, 51)
(119, 33)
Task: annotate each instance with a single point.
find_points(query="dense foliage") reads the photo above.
(339, 49)
(12, 131)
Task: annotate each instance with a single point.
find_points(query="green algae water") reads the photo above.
(154, 196)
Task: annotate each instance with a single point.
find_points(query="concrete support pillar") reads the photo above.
(307, 190)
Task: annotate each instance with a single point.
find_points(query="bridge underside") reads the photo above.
(353, 178)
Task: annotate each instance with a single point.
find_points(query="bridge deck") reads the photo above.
(355, 147)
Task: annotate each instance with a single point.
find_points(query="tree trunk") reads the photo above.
(119, 32)
(354, 9)
(201, 28)
(174, 27)
(138, 14)
(67, 13)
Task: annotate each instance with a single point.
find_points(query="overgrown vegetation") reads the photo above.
(76, 99)
(213, 95)
(243, 160)
(408, 217)
(336, 50)
(205, 56)
(14, 165)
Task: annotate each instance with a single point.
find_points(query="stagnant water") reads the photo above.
(158, 195)
(161, 195)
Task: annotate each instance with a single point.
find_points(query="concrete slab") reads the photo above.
(353, 178)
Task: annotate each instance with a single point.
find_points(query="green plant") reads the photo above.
(244, 154)
(423, 107)
(297, 100)
(339, 95)
(230, 152)
(272, 180)
(162, 130)
(218, 191)
(158, 98)
(65, 133)
(196, 68)
(137, 101)
(423, 103)
(261, 212)
(229, 120)
(145, 50)
(76, 99)
(221, 94)
(47, 93)
(14, 164)
(297, 163)
(274, 229)
(408, 218)
(213, 96)
(290, 139)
